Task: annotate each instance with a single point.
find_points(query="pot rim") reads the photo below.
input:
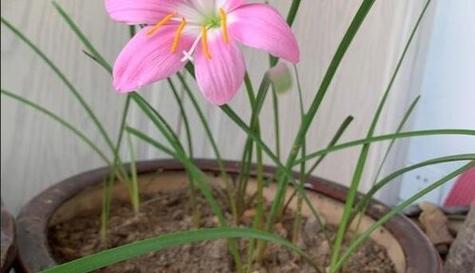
(32, 222)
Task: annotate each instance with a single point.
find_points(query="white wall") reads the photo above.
(36, 152)
(448, 96)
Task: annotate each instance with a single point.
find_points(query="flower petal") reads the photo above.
(140, 11)
(220, 77)
(148, 58)
(229, 5)
(261, 26)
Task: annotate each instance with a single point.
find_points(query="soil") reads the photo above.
(166, 212)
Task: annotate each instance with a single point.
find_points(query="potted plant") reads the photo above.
(240, 216)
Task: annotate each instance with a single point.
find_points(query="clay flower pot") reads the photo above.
(8, 241)
(407, 247)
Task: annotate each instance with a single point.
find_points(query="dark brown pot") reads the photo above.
(8, 241)
(406, 245)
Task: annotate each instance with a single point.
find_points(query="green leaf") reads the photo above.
(358, 172)
(61, 121)
(150, 140)
(293, 12)
(184, 116)
(97, 57)
(125, 252)
(203, 121)
(383, 182)
(192, 170)
(346, 122)
(435, 132)
(404, 119)
(367, 233)
(65, 80)
(355, 24)
(90, 48)
(408, 112)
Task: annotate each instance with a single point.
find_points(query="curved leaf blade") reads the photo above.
(122, 253)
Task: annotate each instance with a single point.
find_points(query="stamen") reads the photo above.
(204, 42)
(165, 20)
(224, 25)
(178, 33)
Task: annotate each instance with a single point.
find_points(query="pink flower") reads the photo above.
(205, 32)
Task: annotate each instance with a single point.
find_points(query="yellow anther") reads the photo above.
(178, 33)
(224, 25)
(165, 20)
(204, 42)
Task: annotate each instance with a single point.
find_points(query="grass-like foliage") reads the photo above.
(255, 148)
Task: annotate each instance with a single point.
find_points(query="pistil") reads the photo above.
(188, 55)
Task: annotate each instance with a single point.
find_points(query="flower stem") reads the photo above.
(316, 102)
(229, 187)
(260, 199)
(298, 210)
(135, 196)
(192, 189)
(358, 172)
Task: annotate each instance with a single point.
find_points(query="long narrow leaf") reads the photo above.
(355, 24)
(383, 182)
(159, 121)
(61, 121)
(358, 172)
(435, 132)
(343, 126)
(184, 116)
(204, 122)
(135, 193)
(148, 139)
(122, 253)
(239, 122)
(385, 157)
(404, 119)
(65, 80)
(214, 145)
(90, 48)
(365, 235)
(191, 168)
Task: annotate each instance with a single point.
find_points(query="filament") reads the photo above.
(165, 20)
(178, 33)
(204, 42)
(224, 26)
